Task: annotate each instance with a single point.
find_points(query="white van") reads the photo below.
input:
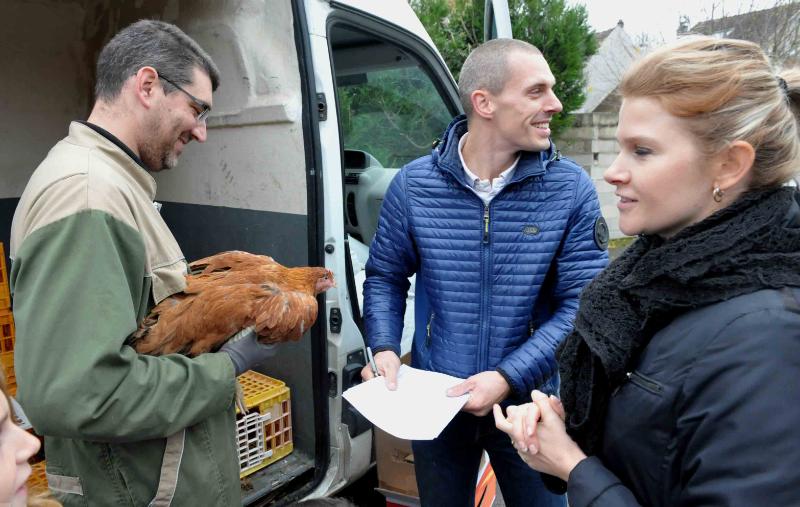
(320, 103)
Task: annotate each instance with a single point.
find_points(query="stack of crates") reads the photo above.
(264, 433)
(7, 332)
(37, 482)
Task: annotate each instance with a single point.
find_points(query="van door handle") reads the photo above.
(335, 320)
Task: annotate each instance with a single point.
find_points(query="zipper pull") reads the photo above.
(428, 339)
(486, 224)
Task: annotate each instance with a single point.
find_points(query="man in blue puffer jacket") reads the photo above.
(503, 234)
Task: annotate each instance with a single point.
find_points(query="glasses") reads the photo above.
(203, 106)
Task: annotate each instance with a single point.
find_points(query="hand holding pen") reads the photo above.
(386, 364)
(371, 359)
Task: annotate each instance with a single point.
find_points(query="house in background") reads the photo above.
(776, 30)
(591, 141)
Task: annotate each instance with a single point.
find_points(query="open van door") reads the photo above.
(496, 20)
(387, 96)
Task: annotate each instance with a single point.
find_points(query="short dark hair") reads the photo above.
(160, 45)
(486, 68)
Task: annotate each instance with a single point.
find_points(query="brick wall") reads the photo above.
(591, 142)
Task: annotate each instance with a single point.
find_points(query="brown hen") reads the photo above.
(226, 293)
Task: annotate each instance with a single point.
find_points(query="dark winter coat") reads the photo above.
(709, 413)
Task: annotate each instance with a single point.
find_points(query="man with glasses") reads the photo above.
(90, 256)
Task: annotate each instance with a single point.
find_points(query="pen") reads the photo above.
(372, 361)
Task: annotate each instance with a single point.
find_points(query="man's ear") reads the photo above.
(735, 164)
(146, 83)
(482, 104)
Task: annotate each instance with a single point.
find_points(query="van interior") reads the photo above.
(251, 185)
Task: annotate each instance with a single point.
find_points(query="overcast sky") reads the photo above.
(659, 18)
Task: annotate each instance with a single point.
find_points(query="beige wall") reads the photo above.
(255, 155)
(46, 83)
(591, 142)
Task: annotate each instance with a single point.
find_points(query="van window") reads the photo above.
(393, 114)
(391, 111)
(388, 105)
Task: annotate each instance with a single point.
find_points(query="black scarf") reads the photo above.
(751, 245)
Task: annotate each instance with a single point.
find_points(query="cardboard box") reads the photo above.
(395, 462)
(397, 479)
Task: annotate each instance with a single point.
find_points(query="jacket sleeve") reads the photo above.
(392, 259)
(578, 261)
(739, 417)
(77, 285)
(592, 484)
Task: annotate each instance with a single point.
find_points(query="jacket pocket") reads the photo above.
(429, 330)
(167, 279)
(65, 488)
(641, 406)
(646, 383)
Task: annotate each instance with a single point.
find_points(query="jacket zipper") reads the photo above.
(483, 336)
(644, 382)
(430, 323)
(486, 224)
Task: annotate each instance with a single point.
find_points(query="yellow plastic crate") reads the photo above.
(5, 296)
(264, 434)
(7, 331)
(37, 482)
(7, 362)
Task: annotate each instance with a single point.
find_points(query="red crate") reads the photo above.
(7, 362)
(5, 295)
(37, 482)
(7, 331)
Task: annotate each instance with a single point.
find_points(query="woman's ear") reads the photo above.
(735, 164)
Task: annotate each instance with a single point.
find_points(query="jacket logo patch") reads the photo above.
(601, 233)
(531, 230)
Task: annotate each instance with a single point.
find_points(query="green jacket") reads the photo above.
(89, 250)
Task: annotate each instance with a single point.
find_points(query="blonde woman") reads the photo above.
(681, 380)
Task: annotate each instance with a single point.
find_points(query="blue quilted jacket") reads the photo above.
(497, 286)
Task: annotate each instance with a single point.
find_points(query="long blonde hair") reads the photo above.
(726, 90)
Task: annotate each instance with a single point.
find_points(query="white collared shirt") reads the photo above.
(485, 189)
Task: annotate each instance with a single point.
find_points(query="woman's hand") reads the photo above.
(537, 432)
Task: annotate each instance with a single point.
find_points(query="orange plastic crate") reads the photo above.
(264, 434)
(37, 482)
(7, 362)
(5, 296)
(7, 331)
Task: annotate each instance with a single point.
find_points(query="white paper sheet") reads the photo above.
(418, 410)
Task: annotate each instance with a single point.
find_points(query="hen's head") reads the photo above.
(324, 280)
(310, 280)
